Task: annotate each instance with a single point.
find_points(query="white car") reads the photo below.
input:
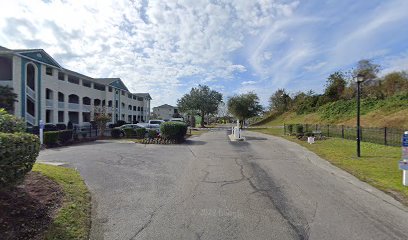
(155, 123)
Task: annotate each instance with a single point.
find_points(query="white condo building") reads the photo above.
(46, 91)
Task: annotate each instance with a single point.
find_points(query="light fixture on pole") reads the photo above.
(359, 78)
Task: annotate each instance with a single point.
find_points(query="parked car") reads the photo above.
(155, 123)
(128, 126)
(177, 120)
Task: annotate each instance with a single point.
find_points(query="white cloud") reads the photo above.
(151, 45)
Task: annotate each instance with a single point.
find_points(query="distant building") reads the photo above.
(46, 91)
(165, 111)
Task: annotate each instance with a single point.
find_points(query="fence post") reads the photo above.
(284, 129)
(342, 131)
(361, 133)
(385, 136)
(316, 128)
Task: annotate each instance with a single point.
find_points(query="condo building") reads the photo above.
(46, 91)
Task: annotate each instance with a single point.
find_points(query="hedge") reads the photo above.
(152, 133)
(64, 136)
(115, 133)
(140, 132)
(18, 153)
(51, 138)
(173, 130)
(129, 132)
(10, 123)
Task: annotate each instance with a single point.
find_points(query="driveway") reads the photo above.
(211, 188)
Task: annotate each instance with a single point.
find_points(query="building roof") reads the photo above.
(39, 55)
(165, 106)
(144, 95)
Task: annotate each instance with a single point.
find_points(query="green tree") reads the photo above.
(244, 106)
(7, 98)
(335, 85)
(280, 101)
(202, 100)
(366, 69)
(395, 82)
(101, 118)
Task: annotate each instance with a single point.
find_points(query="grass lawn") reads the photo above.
(73, 219)
(378, 165)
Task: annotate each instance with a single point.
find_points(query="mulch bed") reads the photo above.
(27, 210)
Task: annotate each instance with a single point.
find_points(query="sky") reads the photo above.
(167, 47)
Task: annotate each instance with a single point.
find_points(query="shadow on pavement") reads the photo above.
(255, 138)
(194, 142)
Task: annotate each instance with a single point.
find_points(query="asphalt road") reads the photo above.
(211, 188)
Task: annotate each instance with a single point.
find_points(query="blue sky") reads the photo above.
(167, 47)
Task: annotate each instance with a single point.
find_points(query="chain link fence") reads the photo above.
(385, 136)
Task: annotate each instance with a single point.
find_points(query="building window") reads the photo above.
(140, 99)
(61, 76)
(110, 89)
(99, 87)
(141, 109)
(138, 108)
(110, 103)
(123, 93)
(60, 116)
(6, 69)
(48, 71)
(86, 84)
(73, 79)
(134, 108)
(130, 96)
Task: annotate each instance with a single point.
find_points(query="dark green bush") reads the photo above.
(299, 129)
(50, 138)
(290, 128)
(173, 130)
(129, 132)
(18, 153)
(140, 132)
(115, 133)
(152, 133)
(309, 134)
(10, 123)
(64, 136)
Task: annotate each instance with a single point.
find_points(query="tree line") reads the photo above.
(342, 86)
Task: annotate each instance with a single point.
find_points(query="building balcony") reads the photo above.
(86, 108)
(30, 92)
(49, 103)
(8, 83)
(30, 119)
(61, 105)
(73, 106)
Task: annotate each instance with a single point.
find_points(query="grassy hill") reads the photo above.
(389, 112)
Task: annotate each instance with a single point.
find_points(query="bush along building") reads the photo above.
(46, 91)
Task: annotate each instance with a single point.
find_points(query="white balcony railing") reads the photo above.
(30, 119)
(73, 106)
(30, 92)
(49, 103)
(61, 105)
(86, 108)
(8, 83)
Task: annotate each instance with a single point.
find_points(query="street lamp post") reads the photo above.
(359, 79)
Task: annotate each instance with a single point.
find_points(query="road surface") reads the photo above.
(211, 188)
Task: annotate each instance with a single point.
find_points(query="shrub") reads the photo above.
(61, 126)
(140, 132)
(152, 133)
(65, 136)
(290, 128)
(18, 153)
(10, 123)
(309, 134)
(70, 125)
(129, 132)
(115, 133)
(299, 129)
(120, 123)
(173, 130)
(51, 138)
